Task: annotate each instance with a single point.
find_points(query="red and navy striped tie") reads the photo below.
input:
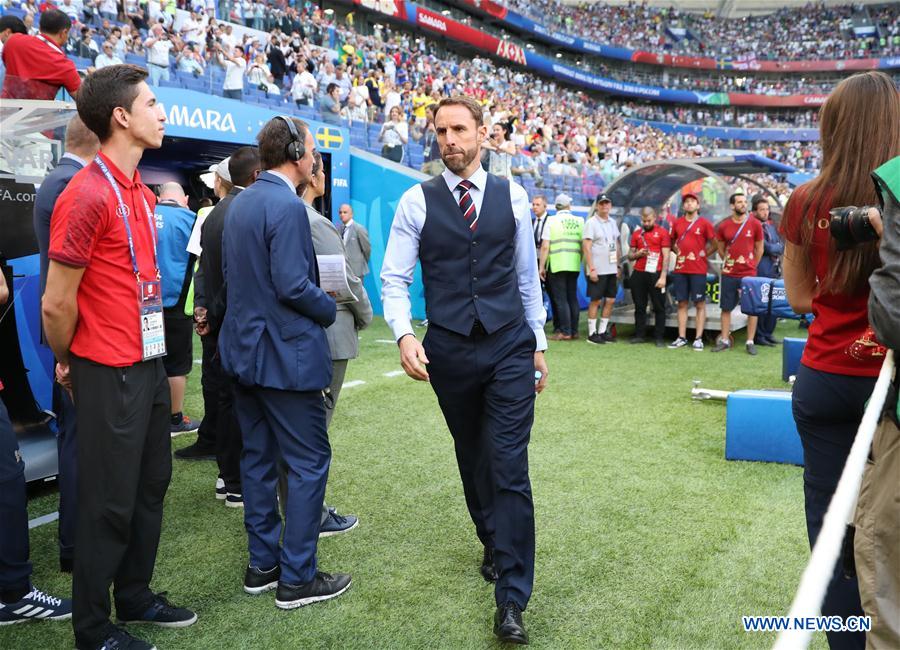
(466, 204)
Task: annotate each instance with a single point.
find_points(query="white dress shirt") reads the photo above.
(402, 253)
(287, 181)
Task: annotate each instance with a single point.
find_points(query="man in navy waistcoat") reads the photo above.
(484, 349)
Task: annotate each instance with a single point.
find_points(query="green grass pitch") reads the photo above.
(646, 536)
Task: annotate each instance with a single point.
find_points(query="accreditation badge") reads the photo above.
(153, 330)
(613, 258)
(652, 265)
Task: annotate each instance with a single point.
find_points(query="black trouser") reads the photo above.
(67, 451)
(828, 409)
(15, 569)
(485, 387)
(563, 287)
(765, 326)
(545, 289)
(394, 153)
(643, 287)
(228, 438)
(211, 384)
(125, 464)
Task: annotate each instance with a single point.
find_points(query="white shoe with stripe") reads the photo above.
(36, 606)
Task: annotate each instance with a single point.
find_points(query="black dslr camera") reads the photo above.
(851, 226)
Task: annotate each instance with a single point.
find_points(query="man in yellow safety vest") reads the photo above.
(561, 257)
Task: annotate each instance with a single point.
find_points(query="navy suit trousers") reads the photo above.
(290, 425)
(485, 386)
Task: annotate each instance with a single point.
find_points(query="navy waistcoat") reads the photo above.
(469, 276)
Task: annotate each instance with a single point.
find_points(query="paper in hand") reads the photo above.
(333, 278)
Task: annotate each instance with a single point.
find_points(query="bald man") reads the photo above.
(356, 242)
(81, 147)
(174, 222)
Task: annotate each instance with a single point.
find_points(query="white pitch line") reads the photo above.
(352, 384)
(385, 341)
(198, 362)
(394, 373)
(40, 521)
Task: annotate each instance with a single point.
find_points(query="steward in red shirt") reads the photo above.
(103, 317)
(36, 66)
(650, 245)
(691, 241)
(740, 242)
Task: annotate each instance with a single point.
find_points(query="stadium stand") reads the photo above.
(586, 140)
(817, 31)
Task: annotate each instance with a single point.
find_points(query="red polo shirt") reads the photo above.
(840, 340)
(655, 240)
(691, 238)
(86, 232)
(36, 69)
(740, 241)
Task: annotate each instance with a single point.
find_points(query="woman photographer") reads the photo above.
(394, 134)
(859, 130)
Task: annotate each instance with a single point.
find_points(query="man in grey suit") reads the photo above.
(342, 337)
(356, 242)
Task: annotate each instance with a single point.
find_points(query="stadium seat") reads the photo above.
(82, 63)
(759, 425)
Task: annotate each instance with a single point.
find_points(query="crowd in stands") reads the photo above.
(771, 84)
(717, 82)
(816, 31)
(562, 138)
(718, 115)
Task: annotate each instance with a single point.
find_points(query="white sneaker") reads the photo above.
(698, 345)
(680, 342)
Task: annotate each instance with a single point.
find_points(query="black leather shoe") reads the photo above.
(323, 587)
(488, 569)
(257, 581)
(766, 343)
(196, 451)
(508, 625)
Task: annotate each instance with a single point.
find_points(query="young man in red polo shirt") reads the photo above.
(692, 241)
(739, 239)
(103, 317)
(36, 66)
(650, 246)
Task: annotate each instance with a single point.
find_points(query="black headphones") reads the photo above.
(296, 148)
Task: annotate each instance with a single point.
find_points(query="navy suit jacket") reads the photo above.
(273, 334)
(51, 188)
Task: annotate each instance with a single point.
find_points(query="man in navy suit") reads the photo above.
(472, 233)
(273, 343)
(81, 147)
